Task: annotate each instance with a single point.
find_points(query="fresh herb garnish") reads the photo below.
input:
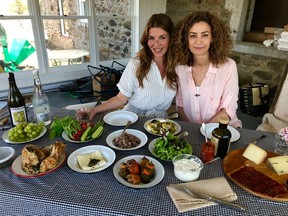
(93, 162)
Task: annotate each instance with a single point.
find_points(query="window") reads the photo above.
(17, 42)
(58, 33)
(83, 10)
(62, 23)
(264, 18)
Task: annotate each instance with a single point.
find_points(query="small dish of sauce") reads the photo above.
(187, 167)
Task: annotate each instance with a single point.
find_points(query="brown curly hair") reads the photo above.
(146, 56)
(221, 39)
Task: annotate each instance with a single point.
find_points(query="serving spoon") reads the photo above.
(174, 115)
(126, 126)
(205, 134)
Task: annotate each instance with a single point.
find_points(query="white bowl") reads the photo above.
(187, 167)
(6, 153)
(159, 172)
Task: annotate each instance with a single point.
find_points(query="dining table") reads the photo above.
(66, 192)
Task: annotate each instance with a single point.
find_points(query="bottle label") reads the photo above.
(42, 113)
(37, 81)
(43, 117)
(215, 141)
(18, 115)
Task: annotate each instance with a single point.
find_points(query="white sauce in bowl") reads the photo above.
(187, 169)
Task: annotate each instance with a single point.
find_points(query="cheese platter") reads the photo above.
(258, 179)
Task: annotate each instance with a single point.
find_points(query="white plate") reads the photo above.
(18, 171)
(7, 140)
(107, 153)
(137, 133)
(159, 172)
(6, 153)
(67, 138)
(120, 118)
(178, 127)
(211, 126)
(151, 146)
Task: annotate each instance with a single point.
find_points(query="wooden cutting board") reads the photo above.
(234, 161)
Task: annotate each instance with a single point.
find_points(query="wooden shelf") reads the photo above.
(257, 37)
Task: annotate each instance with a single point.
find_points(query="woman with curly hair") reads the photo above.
(207, 78)
(145, 87)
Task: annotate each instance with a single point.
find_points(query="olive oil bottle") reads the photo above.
(16, 103)
(221, 137)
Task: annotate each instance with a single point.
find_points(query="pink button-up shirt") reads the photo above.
(219, 89)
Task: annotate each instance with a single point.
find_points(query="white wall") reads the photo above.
(146, 9)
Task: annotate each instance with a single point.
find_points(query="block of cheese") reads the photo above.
(255, 153)
(91, 161)
(278, 164)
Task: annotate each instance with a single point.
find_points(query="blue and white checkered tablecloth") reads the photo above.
(65, 192)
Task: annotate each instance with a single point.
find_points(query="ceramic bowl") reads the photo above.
(6, 153)
(187, 167)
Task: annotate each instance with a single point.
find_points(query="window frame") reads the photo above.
(54, 76)
(39, 35)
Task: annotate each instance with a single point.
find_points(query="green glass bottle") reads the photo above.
(16, 103)
(221, 137)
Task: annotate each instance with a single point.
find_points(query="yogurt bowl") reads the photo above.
(187, 167)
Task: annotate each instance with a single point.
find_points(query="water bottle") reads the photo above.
(16, 103)
(40, 102)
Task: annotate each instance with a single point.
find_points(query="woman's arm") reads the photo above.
(113, 103)
(228, 104)
(181, 113)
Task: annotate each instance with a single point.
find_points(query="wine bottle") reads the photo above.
(221, 137)
(16, 103)
(40, 102)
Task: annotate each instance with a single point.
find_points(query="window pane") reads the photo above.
(67, 41)
(12, 7)
(115, 7)
(17, 45)
(63, 7)
(114, 38)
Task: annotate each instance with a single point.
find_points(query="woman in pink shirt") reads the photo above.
(207, 78)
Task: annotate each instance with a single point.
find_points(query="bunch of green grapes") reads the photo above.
(25, 131)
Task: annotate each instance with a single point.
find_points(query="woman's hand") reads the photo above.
(216, 118)
(85, 114)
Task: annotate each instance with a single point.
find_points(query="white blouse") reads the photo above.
(154, 99)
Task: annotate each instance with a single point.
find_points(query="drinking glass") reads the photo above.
(280, 145)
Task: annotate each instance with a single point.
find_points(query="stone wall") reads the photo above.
(177, 9)
(114, 34)
(255, 62)
(256, 68)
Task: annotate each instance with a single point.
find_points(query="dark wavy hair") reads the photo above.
(145, 55)
(221, 34)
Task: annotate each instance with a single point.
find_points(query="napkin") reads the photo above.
(216, 187)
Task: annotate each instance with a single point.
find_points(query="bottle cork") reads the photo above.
(224, 120)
